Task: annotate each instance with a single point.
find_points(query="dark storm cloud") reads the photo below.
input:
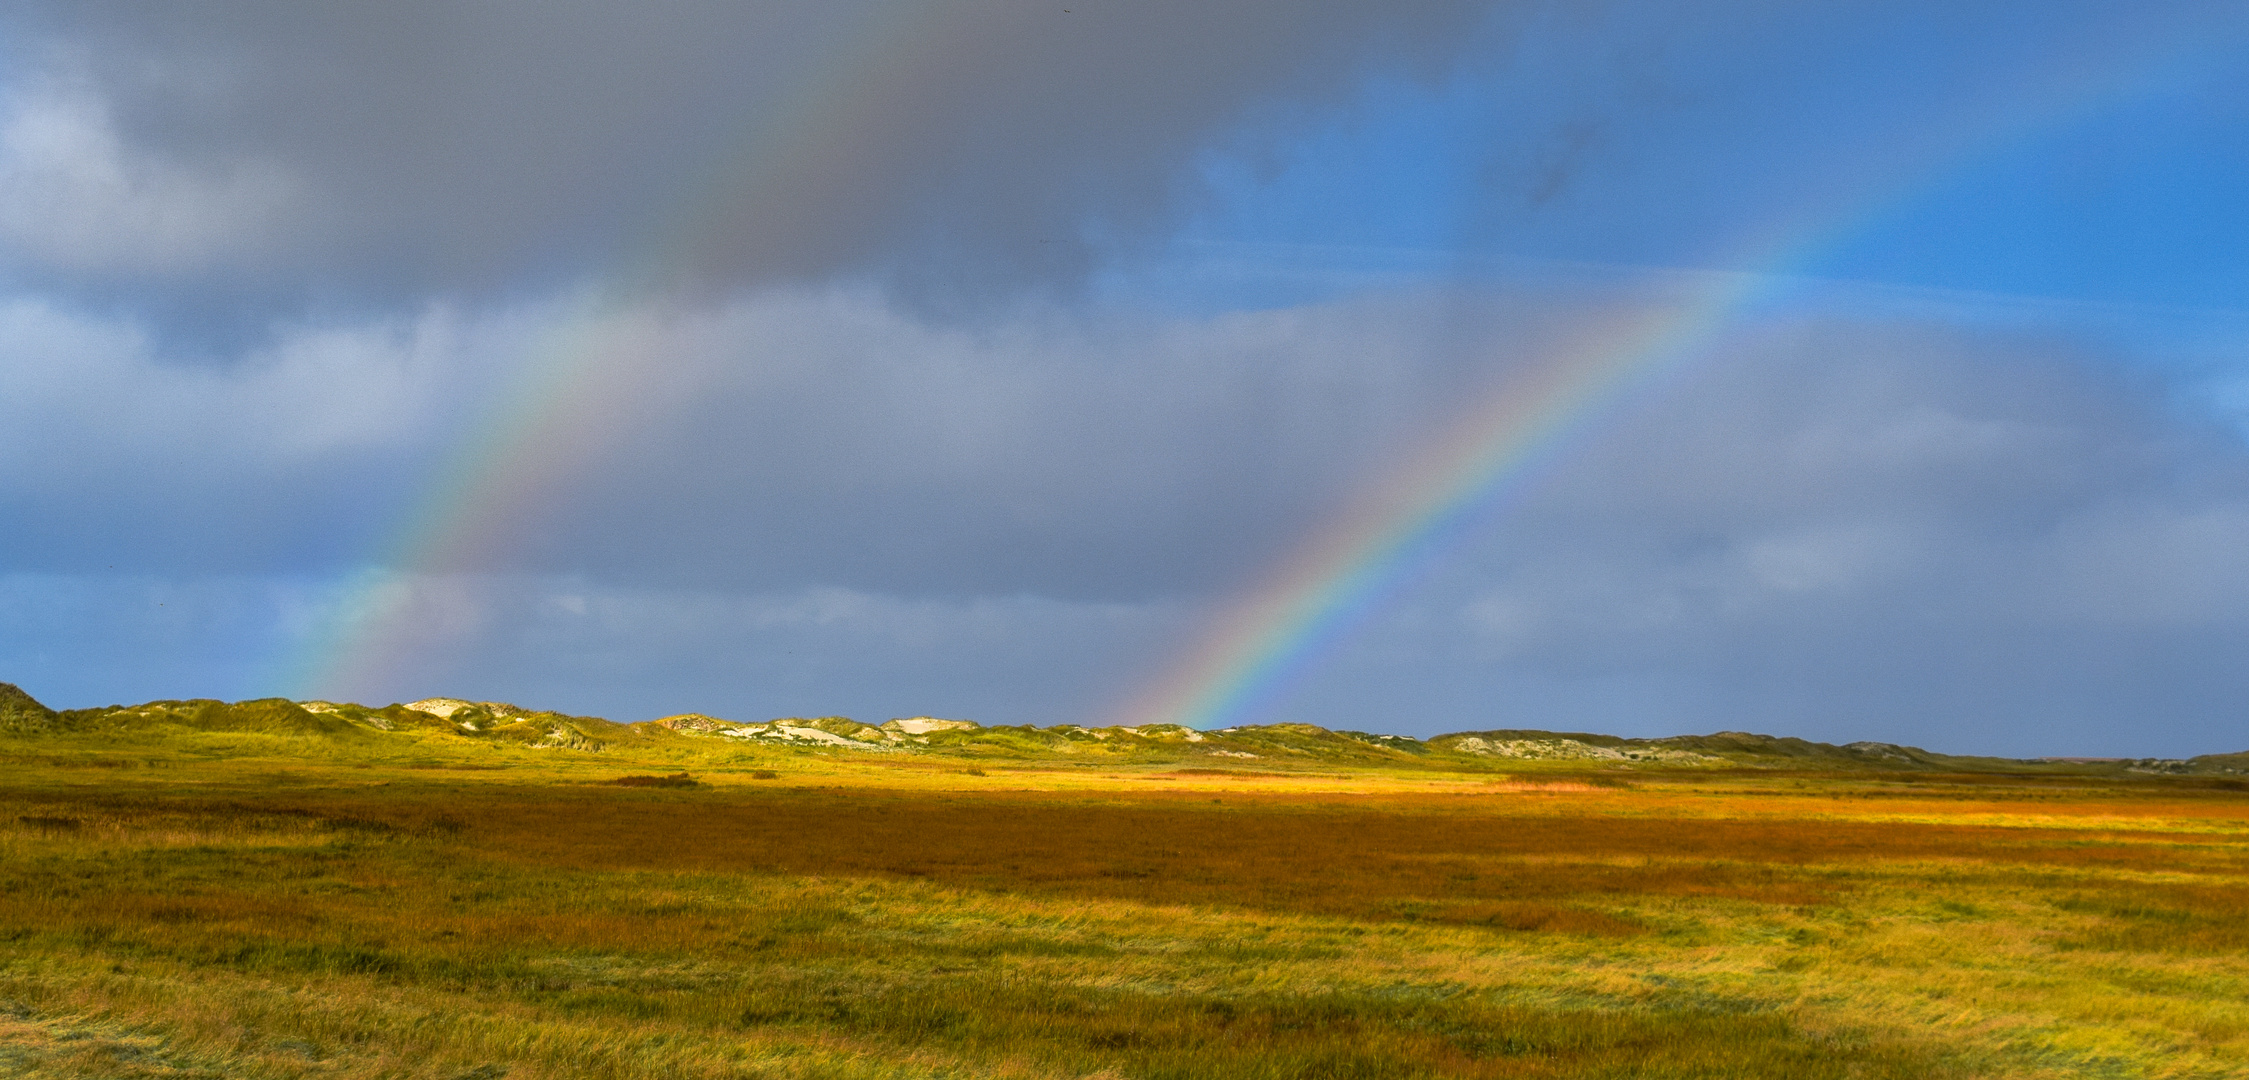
(382, 150)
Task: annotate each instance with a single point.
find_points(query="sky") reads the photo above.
(1845, 371)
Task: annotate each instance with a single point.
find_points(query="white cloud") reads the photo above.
(1831, 559)
(74, 197)
(89, 405)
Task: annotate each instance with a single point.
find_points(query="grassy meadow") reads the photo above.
(222, 904)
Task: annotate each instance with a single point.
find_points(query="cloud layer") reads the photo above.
(973, 357)
(1837, 522)
(429, 146)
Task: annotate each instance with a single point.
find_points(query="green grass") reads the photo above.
(183, 900)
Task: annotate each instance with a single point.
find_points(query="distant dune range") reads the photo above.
(1283, 747)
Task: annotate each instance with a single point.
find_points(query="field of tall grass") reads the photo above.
(258, 906)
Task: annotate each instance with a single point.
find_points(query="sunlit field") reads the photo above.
(278, 907)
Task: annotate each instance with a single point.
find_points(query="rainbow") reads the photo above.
(1261, 643)
(597, 371)
(1331, 583)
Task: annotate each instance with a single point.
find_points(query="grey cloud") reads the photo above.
(796, 438)
(640, 653)
(1833, 525)
(73, 197)
(288, 457)
(1102, 457)
(437, 146)
(581, 645)
(1858, 530)
(94, 404)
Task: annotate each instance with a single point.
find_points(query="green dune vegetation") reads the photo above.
(453, 889)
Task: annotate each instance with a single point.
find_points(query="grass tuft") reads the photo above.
(675, 780)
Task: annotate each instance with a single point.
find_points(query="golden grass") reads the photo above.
(795, 915)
